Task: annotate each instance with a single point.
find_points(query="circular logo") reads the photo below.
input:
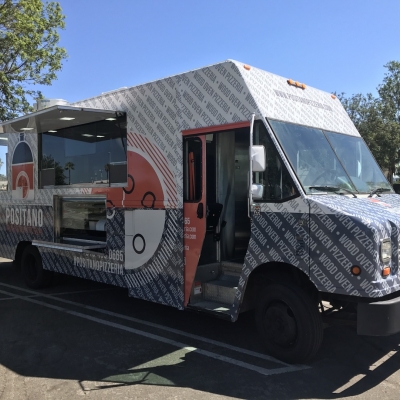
(23, 183)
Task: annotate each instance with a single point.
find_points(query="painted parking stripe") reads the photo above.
(164, 328)
(58, 294)
(161, 327)
(10, 298)
(148, 335)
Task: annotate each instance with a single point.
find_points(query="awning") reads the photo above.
(56, 117)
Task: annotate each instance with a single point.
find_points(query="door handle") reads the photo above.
(200, 211)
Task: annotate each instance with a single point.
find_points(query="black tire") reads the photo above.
(18, 257)
(34, 275)
(289, 323)
(16, 265)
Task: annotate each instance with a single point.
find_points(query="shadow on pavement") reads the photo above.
(37, 341)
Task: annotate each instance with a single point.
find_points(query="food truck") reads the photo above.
(223, 189)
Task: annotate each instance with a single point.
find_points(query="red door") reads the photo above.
(194, 206)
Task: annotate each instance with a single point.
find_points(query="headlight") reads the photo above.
(386, 250)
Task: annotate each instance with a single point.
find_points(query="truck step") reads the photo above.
(222, 290)
(213, 307)
(231, 268)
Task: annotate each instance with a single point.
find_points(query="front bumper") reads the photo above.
(380, 318)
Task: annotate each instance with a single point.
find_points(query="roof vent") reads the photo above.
(45, 103)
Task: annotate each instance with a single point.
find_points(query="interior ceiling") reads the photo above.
(49, 119)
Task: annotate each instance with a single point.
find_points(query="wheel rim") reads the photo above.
(32, 270)
(280, 324)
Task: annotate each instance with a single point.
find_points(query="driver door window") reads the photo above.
(278, 184)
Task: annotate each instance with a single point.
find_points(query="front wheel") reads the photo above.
(32, 270)
(289, 323)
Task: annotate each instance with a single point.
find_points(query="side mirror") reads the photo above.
(257, 191)
(258, 158)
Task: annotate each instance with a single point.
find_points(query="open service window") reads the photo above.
(88, 150)
(80, 219)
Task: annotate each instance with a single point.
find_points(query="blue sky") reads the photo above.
(334, 45)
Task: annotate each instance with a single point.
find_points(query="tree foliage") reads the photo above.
(68, 166)
(29, 54)
(389, 91)
(378, 119)
(49, 163)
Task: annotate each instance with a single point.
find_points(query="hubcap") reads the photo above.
(280, 324)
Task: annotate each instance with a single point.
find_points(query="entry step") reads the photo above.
(222, 290)
(231, 268)
(213, 307)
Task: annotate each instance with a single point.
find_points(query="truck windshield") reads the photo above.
(329, 159)
(358, 161)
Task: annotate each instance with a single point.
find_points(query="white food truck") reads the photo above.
(222, 189)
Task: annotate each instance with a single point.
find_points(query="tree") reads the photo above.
(48, 162)
(378, 119)
(389, 91)
(68, 166)
(29, 54)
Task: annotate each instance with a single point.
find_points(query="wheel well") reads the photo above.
(18, 252)
(276, 272)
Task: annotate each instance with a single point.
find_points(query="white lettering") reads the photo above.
(24, 216)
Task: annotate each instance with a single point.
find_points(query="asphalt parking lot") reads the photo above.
(80, 338)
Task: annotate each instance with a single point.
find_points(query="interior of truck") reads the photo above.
(227, 231)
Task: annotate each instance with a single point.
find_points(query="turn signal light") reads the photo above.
(246, 67)
(386, 271)
(355, 270)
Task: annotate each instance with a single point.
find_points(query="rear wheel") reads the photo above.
(32, 270)
(16, 265)
(18, 256)
(289, 323)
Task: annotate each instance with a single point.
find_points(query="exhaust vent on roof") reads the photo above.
(45, 103)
